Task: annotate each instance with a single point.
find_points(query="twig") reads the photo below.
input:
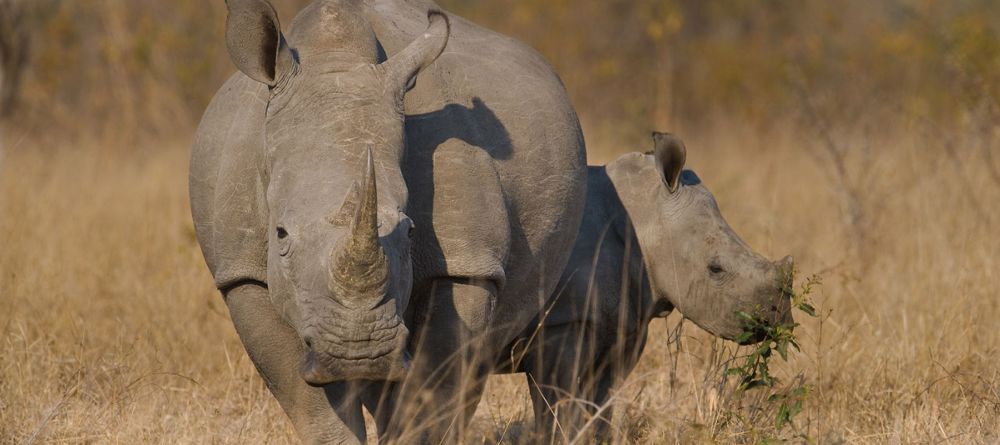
(53, 411)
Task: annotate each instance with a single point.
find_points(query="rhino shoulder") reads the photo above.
(461, 214)
(227, 183)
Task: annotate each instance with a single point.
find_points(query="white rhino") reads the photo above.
(384, 195)
(652, 239)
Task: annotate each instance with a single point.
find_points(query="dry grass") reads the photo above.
(111, 331)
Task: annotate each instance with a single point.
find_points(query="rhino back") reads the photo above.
(227, 183)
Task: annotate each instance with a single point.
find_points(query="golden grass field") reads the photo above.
(111, 330)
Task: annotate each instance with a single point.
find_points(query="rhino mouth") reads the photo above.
(756, 325)
(754, 338)
(360, 358)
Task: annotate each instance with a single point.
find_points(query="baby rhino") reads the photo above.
(652, 239)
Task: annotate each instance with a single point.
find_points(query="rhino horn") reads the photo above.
(359, 269)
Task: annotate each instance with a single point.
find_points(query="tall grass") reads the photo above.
(111, 330)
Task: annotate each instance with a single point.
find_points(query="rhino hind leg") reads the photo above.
(436, 401)
(326, 415)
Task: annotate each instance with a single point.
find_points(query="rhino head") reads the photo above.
(695, 261)
(339, 262)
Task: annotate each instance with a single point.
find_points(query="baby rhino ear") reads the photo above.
(670, 157)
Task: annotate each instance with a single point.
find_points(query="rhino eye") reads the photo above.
(715, 269)
(283, 242)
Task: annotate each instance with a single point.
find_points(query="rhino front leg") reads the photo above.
(437, 400)
(327, 415)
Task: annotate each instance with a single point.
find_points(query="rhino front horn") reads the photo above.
(359, 269)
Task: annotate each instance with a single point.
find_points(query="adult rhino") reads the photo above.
(652, 239)
(383, 180)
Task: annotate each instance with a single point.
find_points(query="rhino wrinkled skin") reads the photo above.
(652, 239)
(384, 195)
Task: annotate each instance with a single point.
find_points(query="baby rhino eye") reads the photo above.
(715, 269)
(284, 244)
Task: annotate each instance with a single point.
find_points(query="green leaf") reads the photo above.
(808, 309)
(766, 352)
(744, 337)
(795, 409)
(783, 418)
(783, 350)
(802, 391)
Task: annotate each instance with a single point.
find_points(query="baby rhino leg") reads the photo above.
(564, 378)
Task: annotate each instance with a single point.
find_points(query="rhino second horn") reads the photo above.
(360, 269)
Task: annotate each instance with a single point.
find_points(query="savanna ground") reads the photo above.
(882, 182)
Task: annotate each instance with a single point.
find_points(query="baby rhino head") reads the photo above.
(695, 261)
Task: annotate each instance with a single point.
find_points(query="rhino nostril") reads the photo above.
(309, 343)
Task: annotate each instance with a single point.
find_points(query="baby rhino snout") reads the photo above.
(785, 280)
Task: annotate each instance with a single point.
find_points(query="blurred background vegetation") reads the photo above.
(140, 68)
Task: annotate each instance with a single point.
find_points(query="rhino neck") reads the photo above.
(603, 200)
(637, 193)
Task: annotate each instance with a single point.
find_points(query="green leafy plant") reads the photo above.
(753, 371)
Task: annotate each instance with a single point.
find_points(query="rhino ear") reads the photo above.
(255, 43)
(402, 68)
(670, 156)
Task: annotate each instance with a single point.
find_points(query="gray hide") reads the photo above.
(652, 239)
(349, 226)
